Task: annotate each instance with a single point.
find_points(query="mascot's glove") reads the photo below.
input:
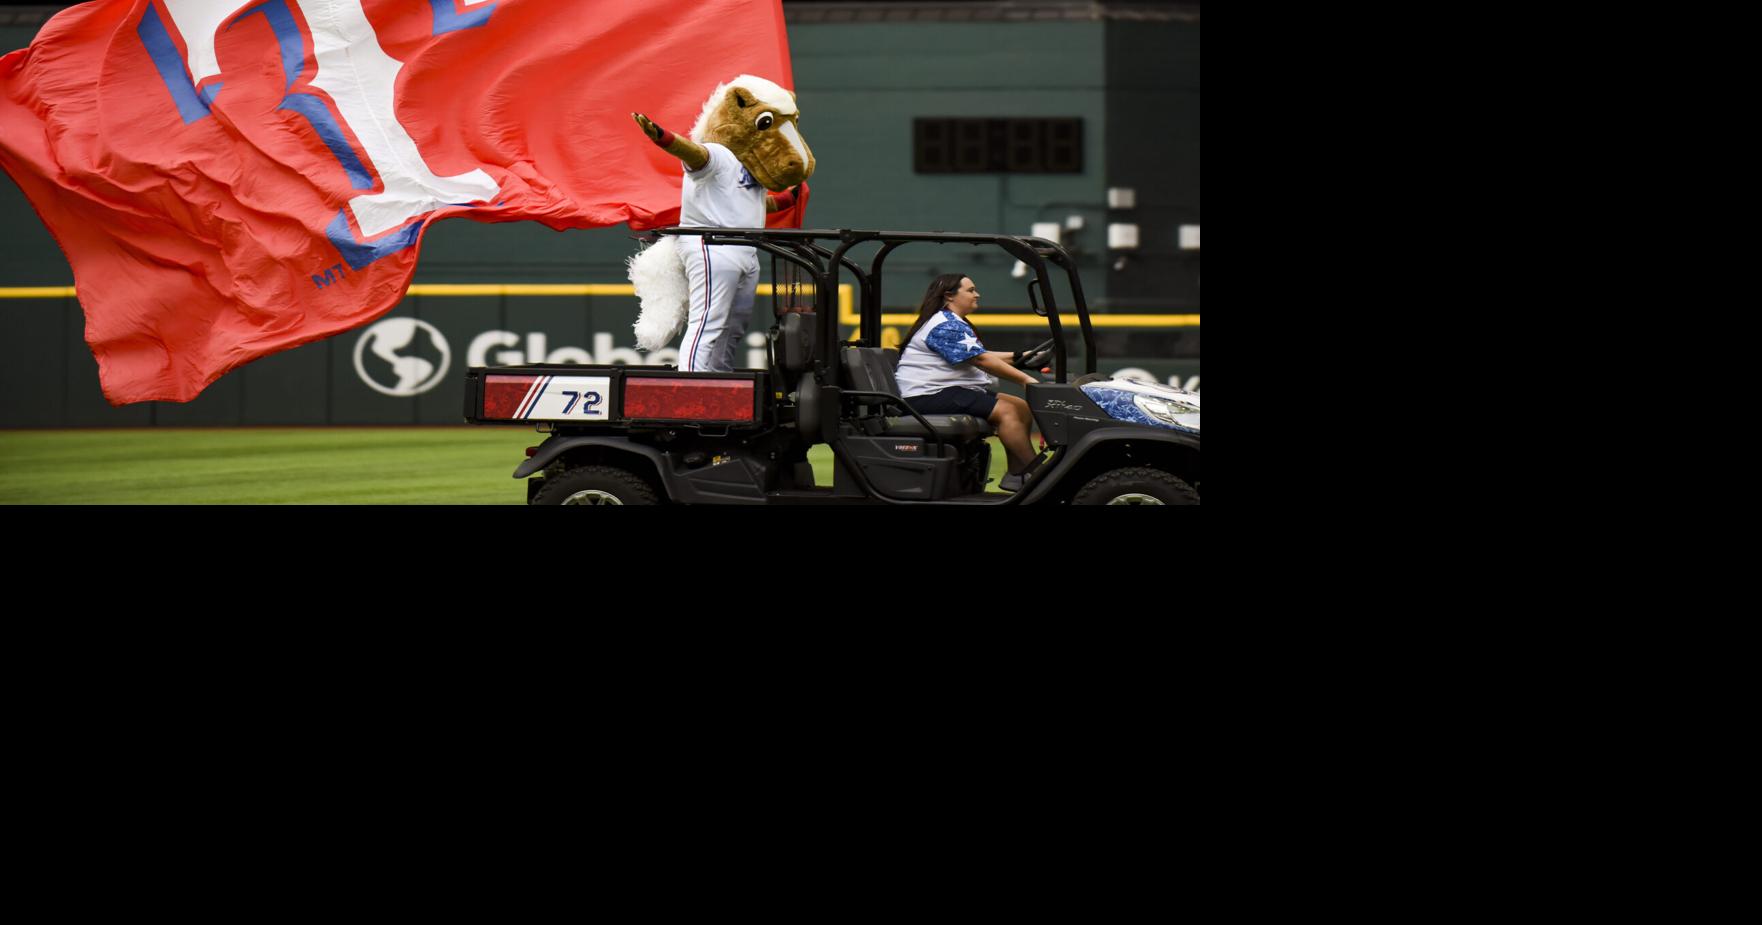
(785, 200)
(685, 149)
(657, 134)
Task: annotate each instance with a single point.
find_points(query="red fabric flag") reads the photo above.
(231, 179)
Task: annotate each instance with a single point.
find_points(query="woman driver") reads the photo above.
(943, 370)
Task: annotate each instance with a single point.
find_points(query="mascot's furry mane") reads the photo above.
(766, 92)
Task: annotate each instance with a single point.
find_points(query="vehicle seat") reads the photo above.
(792, 347)
(870, 369)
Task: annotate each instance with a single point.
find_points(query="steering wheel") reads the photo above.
(1033, 358)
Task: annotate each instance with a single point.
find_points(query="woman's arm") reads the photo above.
(997, 364)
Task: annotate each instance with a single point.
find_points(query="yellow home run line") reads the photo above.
(451, 289)
(846, 307)
(1068, 319)
(36, 292)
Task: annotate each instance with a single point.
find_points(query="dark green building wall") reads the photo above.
(859, 86)
(1153, 150)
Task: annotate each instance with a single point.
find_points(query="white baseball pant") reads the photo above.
(723, 279)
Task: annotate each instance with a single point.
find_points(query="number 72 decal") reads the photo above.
(587, 406)
(560, 398)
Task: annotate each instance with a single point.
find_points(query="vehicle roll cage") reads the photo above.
(799, 246)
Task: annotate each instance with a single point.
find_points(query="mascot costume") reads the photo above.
(744, 143)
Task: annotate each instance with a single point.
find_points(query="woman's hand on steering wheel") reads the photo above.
(1032, 358)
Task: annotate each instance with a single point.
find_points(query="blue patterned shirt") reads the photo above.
(938, 356)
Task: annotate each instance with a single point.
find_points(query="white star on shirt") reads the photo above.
(969, 341)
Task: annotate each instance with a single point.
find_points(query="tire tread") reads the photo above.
(626, 483)
(1108, 485)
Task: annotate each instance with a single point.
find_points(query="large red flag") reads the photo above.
(230, 179)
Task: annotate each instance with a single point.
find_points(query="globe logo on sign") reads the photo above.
(402, 357)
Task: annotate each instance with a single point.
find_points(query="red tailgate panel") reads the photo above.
(502, 395)
(688, 399)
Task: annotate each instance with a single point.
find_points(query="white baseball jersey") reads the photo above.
(721, 194)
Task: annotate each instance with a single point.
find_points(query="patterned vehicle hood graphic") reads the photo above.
(1121, 398)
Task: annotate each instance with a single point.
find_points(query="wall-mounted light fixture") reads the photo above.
(1122, 236)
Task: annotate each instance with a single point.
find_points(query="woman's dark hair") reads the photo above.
(935, 299)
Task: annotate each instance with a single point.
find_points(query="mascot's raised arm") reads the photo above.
(744, 144)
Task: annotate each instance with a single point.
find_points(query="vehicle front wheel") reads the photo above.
(1136, 486)
(595, 485)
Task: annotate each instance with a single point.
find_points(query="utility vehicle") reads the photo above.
(652, 434)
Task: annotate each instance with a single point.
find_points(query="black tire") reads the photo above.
(595, 485)
(1136, 486)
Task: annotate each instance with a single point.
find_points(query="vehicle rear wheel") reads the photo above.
(1136, 486)
(595, 485)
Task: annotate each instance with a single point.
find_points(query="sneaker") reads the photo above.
(1016, 481)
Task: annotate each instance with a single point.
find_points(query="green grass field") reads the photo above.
(344, 465)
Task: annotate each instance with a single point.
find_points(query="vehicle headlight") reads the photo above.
(1169, 411)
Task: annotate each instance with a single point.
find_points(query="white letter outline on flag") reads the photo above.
(359, 76)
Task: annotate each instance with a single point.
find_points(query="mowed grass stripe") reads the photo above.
(464, 465)
(430, 465)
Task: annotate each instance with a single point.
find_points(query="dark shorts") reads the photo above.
(956, 400)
